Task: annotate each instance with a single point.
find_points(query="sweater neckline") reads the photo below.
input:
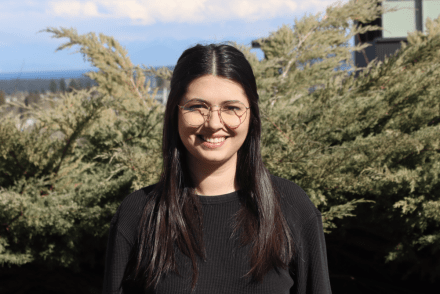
(219, 198)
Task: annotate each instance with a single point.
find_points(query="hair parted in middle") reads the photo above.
(173, 200)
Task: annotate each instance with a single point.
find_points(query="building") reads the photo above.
(411, 16)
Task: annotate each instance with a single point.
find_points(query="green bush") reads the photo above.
(365, 149)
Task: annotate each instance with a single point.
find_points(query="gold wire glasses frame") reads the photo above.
(196, 112)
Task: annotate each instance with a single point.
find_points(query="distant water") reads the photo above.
(12, 82)
(66, 74)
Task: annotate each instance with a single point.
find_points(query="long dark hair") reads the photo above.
(173, 213)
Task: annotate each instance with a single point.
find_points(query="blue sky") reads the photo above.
(154, 32)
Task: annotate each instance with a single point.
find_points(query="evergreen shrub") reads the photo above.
(364, 147)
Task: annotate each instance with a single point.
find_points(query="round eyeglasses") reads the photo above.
(232, 113)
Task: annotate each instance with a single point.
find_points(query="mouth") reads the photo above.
(213, 141)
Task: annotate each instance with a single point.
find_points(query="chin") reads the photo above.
(205, 157)
(214, 159)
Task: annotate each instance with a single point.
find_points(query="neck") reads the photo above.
(214, 178)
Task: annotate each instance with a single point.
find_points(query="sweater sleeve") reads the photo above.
(117, 255)
(311, 268)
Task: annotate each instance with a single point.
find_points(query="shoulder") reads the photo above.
(130, 211)
(295, 203)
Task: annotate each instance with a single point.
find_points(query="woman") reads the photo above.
(180, 235)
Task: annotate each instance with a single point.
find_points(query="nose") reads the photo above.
(214, 121)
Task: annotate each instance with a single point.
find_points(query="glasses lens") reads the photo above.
(233, 113)
(194, 112)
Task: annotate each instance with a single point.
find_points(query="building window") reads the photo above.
(431, 9)
(399, 23)
(411, 16)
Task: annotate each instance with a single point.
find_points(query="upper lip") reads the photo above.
(213, 136)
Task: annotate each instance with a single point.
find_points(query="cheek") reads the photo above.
(181, 126)
(247, 125)
(185, 133)
(181, 130)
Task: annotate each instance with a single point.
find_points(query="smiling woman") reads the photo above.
(213, 185)
(212, 144)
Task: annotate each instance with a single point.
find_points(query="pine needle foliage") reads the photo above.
(2, 97)
(347, 141)
(64, 177)
(364, 148)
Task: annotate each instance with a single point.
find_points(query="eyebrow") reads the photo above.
(204, 101)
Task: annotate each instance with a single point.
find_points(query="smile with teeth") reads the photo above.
(213, 140)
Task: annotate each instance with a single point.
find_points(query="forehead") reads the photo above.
(215, 90)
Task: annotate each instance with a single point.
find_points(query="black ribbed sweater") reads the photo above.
(226, 263)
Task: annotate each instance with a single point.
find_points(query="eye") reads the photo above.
(194, 106)
(234, 107)
(231, 107)
(199, 106)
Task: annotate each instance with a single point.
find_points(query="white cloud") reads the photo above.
(90, 8)
(185, 11)
(74, 8)
(319, 5)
